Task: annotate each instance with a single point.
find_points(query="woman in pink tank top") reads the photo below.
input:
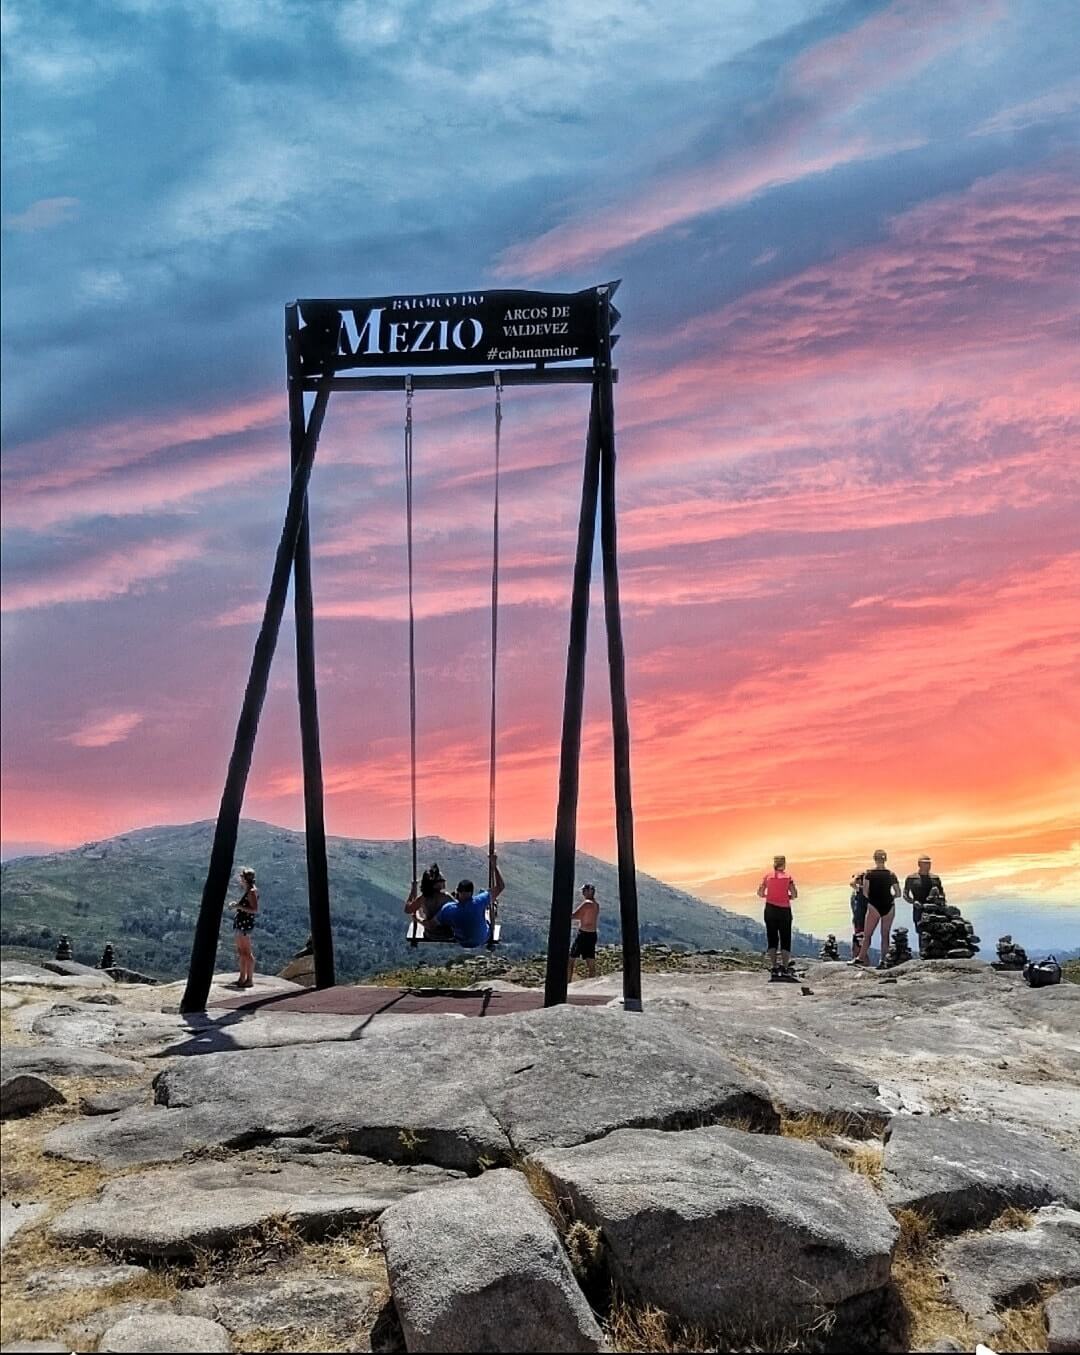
(778, 889)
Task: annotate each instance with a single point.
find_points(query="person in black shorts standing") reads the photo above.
(881, 889)
(917, 888)
(587, 917)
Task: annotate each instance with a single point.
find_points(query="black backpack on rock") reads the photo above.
(1042, 973)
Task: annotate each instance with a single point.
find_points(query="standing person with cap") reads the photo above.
(917, 888)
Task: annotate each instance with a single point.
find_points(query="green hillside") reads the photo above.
(141, 891)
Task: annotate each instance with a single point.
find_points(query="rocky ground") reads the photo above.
(861, 1160)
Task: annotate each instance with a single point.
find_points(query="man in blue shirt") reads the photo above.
(467, 916)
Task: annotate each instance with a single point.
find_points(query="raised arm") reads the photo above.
(500, 883)
(412, 903)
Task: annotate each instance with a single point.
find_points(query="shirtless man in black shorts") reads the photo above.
(587, 917)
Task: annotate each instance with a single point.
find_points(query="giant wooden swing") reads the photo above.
(504, 338)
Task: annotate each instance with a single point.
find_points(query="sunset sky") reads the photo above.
(848, 423)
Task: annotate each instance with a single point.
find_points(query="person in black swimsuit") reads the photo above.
(881, 889)
(245, 908)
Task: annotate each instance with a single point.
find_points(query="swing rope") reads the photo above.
(412, 619)
(493, 909)
(494, 656)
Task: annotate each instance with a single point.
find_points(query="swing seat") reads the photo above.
(416, 937)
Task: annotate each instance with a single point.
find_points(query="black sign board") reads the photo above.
(452, 329)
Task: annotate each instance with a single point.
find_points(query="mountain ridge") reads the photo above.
(141, 890)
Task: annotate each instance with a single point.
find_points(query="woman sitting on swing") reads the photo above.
(425, 904)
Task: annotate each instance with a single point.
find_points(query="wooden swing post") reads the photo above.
(222, 853)
(620, 720)
(562, 875)
(322, 936)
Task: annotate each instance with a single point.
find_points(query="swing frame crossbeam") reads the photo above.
(440, 381)
(293, 560)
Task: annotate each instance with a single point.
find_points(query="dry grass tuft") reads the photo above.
(37, 1317)
(543, 1189)
(29, 1174)
(916, 1234)
(1012, 1220)
(10, 1034)
(356, 1253)
(289, 1339)
(813, 1127)
(633, 1328)
(819, 1127)
(928, 1315)
(868, 1161)
(1023, 1328)
(32, 1250)
(584, 1246)
(273, 1241)
(864, 1158)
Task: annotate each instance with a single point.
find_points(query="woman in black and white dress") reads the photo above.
(245, 908)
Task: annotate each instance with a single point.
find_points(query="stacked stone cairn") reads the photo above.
(944, 934)
(829, 950)
(1009, 954)
(108, 957)
(63, 949)
(899, 950)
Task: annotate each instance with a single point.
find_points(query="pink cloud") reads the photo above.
(676, 199)
(132, 489)
(888, 47)
(75, 457)
(112, 573)
(830, 80)
(103, 730)
(953, 275)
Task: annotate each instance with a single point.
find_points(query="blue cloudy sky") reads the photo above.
(849, 235)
